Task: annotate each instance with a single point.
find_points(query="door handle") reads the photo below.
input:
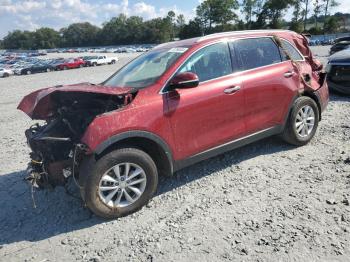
(289, 74)
(232, 89)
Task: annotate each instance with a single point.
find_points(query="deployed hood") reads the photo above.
(40, 105)
(340, 57)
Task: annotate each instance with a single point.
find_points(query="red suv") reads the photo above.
(178, 104)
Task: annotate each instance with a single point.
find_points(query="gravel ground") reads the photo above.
(267, 201)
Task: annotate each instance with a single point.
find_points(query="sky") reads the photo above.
(33, 14)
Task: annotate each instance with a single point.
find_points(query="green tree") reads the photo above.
(171, 17)
(297, 19)
(329, 4)
(275, 10)
(19, 40)
(46, 38)
(305, 12)
(192, 29)
(216, 12)
(318, 5)
(114, 31)
(331, 25)
(80, 34)
(248, 9)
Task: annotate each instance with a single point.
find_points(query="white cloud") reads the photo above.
(32, 14)
(144, 10)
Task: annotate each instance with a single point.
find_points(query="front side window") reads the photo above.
(209, 62)
(256, 52)
(291, 50)
(146, 69)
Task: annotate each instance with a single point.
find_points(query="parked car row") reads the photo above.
(123, 49)
(12, 65)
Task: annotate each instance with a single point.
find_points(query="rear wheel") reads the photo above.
(302, 122)
(29, 72)
(65, 68)
(120, 183)
(6, 75)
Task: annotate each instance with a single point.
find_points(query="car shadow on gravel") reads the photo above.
(57, 212)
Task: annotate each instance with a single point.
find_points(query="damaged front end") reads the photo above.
(67, 111)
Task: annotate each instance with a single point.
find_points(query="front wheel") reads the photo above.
(302, 123)
(120, 183)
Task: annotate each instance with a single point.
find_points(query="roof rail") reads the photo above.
(232, 33)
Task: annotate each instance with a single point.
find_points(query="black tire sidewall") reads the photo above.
(132, 155)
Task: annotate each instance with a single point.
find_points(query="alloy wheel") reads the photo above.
(122, 185)
(305, 121)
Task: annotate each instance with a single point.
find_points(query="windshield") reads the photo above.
(146, 69)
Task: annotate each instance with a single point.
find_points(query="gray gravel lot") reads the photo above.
(267, 201)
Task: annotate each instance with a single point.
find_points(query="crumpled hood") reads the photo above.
(39, 104)
(340, 57)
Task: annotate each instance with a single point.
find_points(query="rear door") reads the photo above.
(270, 83)
(212, 113)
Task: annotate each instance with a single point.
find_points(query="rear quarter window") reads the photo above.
(291, 50)
(256, 52)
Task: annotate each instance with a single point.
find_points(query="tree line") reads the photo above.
(211, 16)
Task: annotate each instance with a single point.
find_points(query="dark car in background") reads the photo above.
(338, 69)
(340, 44)
(39, 67)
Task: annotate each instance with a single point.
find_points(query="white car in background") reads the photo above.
(5, 72)
(101, 60)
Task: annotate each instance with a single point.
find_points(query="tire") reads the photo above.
(96, 199)
(48, 70)
(81, 66)
(65, 68)
(294, 132)
(29, 72)
(113, 62)
(6, 75)
(94, 64)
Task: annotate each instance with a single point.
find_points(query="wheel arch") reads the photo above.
(152, 144)
(314, 97)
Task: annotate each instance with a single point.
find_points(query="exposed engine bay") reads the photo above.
(56, 147)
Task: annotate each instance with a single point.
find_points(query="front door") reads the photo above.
(212, 113)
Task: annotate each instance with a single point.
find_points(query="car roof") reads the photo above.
(213, 37)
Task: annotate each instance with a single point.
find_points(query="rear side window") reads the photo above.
(256, 52)
(209, 62)
(291, 50)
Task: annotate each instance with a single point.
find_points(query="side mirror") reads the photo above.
(184, 80)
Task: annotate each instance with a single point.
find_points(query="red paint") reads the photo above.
(193, 120)
(38, 105)
(70, 64)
